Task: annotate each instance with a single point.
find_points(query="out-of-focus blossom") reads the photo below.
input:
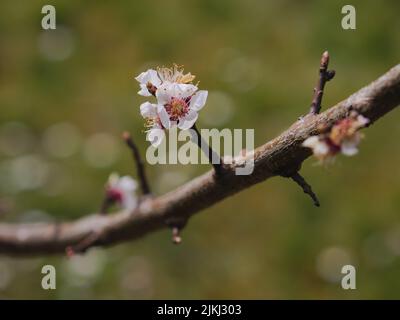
(344, 138)
(121, 190)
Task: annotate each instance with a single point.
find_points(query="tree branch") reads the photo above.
(282, 154)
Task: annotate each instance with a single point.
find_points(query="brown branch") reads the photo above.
(144, 185)
(324, 76)
(282, 154)
(83, 245)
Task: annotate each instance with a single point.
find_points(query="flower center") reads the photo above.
(114, 195)
(177, 108)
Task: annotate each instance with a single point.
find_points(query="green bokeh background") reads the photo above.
(259, 61)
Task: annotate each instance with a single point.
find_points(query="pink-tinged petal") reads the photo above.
(163, 94)
(155, 137)
(164, 117)
(362, 121)
(127, 184)
(188, 121)
(129, 201)
(148, 110)
(198, 101)
(184, 90)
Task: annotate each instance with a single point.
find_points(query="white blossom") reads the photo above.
(178, 101)
(182, 103)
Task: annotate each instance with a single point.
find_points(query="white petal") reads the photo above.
(149, 76)
(170, 90)
(129, 201)
(164, 117)
(148, 110)
(113, 180)
(127, 184)
(198, 100)
(310, 142)
(155, 136)
(321, 149)
(154, 79)
(184, 90)
(140, 77)
(349, 147)
(188, 121)
(362, 121)
(143, 77)
(163, 93)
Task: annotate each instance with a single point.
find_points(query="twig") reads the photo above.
(278, 155)
(324, 76)
(213, 157)
(306, 187)
(144, 185)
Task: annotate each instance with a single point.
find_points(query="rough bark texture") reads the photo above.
(281, 156)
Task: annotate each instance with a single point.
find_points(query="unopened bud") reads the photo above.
(325, 59)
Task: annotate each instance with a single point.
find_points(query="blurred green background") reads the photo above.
(67, 94)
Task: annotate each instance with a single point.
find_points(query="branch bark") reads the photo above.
(280, 156)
